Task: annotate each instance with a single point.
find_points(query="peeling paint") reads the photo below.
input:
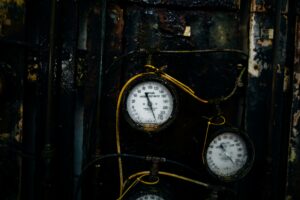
(292, 154)
(294, 141)
(116, 14)
(261, 36)
(297, 78)
(295, 132)
(253, 68)
(32, 74)
(227, 4)
(296, 91)
(265, 43)
(286, 82)
(296, 117)
(187, 31)
(259, 6)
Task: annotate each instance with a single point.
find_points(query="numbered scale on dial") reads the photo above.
(150, 197)
(229, 155)
(150, 104)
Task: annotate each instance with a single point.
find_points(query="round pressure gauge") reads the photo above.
(150, 197)
(150, 104)
(154, 192)
(229, 155)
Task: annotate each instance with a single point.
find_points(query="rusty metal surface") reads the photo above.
(12, 15)
(265, 94)
(261, 40)
(261, 5)
(133, 25)
(165, 29)
(294, 143)
(267, 6)
(227, 4)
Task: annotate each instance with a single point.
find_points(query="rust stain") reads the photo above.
(296, 117)
(172, 23)
(32, 72)
(293, 157)
(286, 83)
(262, 6)
(292, 154)
(253, 69)
(260, 45)
(297, 46)
(116, 14)
(296, 92)
(265, 42)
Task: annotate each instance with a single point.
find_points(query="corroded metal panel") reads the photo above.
(11, 18)
(294, 143)
(260, 5)
(267, 5)
(226, 4)
(267, 37)
(261, 40)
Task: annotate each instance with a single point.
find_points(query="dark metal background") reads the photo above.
(58, 60)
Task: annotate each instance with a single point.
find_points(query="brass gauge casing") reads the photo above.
(228, 155)
(150, 103)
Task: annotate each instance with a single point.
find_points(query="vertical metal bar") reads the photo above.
(50, 73)
(265, 88)
(78, 114)
(28, 177)
(78, 142)
(293, 175)
(275, 65)
(270, 171)
(293, 37)
(245, 16)
(98, 136)
(103, 4)
(48, 146)
(29, 143)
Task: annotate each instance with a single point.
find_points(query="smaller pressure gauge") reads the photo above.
(229, 155)
(150, 197)
(150, 104)
(154, 192)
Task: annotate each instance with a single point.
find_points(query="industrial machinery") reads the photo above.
(149, 99)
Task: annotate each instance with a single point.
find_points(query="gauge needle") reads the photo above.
(226, 153)
(149, 103)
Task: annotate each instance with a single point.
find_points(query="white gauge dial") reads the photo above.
(150, 104)
(226, 154)
(150, 197)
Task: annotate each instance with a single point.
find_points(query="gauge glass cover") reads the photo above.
(227, 154)
(150, 197)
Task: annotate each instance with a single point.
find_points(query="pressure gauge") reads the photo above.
(154, 192)
(150, 197)
(229, 155)
(150, 104)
